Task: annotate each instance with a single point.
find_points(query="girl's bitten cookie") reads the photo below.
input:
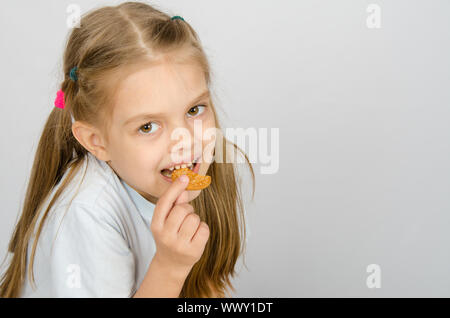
(196, 181)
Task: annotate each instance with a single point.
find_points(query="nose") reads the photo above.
(183, 143)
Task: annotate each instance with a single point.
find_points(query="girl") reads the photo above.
(102, 217)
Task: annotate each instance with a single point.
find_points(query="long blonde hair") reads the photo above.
(109, 40)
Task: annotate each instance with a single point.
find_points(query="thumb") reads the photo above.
(183, 197)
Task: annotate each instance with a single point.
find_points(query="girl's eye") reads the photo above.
(151, 127)
(195, 111)
(147, 129)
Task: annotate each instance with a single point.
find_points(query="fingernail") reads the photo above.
(184, 178)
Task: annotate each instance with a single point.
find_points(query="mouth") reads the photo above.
(194, 166)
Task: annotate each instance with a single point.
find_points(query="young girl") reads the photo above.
(101, 216)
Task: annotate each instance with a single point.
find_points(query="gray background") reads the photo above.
(363, 115)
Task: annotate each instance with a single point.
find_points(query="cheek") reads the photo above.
(143, 163)
(210, 122)
(204, 168)
(209, 140)
(147, 155)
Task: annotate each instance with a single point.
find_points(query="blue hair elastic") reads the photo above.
(73, 74)
(176, 17)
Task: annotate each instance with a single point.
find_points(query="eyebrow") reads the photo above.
(148, 115)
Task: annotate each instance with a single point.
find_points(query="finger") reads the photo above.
(189, 227)
(167, 200)
(201, 236)
(176, 217)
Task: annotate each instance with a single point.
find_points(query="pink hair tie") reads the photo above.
(59, 100)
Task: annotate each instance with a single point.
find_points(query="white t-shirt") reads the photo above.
(97, 245)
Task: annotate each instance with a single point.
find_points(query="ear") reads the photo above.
(91, 139)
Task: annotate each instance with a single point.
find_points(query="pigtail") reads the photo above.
(55, 153)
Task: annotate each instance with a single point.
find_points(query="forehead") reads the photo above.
(160, 88)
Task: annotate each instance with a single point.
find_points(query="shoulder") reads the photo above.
(95, 193)
(85, 215)
(99, 186)
(94, 202)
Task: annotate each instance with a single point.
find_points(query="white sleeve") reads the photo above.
(89, 256)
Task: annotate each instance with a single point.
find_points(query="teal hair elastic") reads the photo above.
(176, 17)
(73, 74)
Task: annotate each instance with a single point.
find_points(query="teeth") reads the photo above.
(184, 165)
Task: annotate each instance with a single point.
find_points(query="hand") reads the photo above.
(179, 234)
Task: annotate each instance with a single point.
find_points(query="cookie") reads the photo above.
(196, 181)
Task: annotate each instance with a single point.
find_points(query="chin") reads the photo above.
(193, 194)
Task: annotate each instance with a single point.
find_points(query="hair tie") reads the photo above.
(59, 100)
(73, 74)
(177, 17)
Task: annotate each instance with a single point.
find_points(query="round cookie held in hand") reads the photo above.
(196, 181)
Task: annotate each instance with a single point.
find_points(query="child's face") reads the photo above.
(139, 148)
